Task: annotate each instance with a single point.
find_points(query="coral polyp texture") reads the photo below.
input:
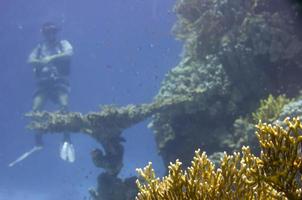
(275, 174)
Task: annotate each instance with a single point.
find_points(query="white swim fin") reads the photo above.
(25, 155)
(67, 152)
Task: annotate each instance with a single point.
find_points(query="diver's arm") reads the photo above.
(33, 58)
(36, 63)
(67, 52)
(56, 57)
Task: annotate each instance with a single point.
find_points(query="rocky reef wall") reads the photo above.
(235, 53)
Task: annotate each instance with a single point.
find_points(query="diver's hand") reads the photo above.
(46, 60)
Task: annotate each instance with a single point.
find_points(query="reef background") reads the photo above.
(122, 51)
(240, 64)
(235, 55)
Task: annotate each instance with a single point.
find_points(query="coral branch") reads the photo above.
(109, 122)
(275, 174)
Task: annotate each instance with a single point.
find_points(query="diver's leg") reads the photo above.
(61, 98)
(66, 138)
(63, 101)
(38, 103)
(67, 151)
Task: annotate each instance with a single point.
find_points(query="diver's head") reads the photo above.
(49, 31)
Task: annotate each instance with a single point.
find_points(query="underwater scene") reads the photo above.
(151, 100)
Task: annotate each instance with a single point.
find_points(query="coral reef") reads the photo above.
(106, 127)
(203, 181)
(243, 134)
(209, 105)
(270, 109)
(113, 188)
(235, 54)
(109, 122)
(292, 109)
(281, 157)
(275, 174)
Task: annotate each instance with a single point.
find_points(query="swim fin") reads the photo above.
(25, 155)
(67, 152)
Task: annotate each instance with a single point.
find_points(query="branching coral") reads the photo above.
(202, 181)
(281, 157)
(270, 108)
(275, 174)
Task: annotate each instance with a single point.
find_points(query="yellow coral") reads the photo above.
(281, 157)
(275, 174)
(270, 108)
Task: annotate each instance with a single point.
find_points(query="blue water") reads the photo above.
(123, 48)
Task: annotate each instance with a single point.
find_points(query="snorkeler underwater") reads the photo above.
(151, 100)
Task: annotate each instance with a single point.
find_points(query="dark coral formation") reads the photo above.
(235, 53)
(112, 188)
